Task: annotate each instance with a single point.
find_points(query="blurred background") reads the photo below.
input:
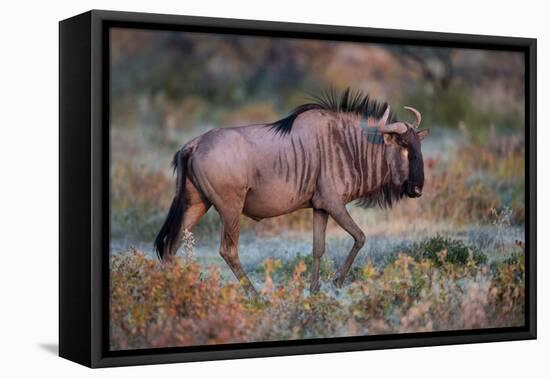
(168, 87)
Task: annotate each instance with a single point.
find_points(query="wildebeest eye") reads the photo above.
(402, 142)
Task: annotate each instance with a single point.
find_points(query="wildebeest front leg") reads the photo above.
(320, 218)
(230, 252)
(344, 220)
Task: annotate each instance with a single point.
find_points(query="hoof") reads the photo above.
(336, 282)
(252, 294)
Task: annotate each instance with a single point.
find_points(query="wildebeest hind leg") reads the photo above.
(195, 207)
(344, 220)
(229, 249)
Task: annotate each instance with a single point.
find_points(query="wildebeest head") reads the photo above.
(404, 154)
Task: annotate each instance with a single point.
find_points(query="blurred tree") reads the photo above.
(435, 64)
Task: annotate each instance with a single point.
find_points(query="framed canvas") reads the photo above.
(235, 188)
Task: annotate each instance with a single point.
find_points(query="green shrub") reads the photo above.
(443, 250)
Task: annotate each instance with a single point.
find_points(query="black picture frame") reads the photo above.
(84, 188)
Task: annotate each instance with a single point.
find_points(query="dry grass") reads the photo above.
(256, 112)
(137, 197)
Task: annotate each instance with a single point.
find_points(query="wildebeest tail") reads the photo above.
(167, 239)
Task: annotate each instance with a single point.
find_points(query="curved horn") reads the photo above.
(385, 117)
(417, 115)
(396, 127)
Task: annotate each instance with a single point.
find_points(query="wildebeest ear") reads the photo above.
(423, 134)
(390, 139)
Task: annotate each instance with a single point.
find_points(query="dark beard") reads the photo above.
(385, 196)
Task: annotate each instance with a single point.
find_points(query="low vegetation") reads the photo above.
(436, 284)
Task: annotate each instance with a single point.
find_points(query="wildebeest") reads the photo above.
(325, 154)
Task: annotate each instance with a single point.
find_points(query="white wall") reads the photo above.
(29, 174)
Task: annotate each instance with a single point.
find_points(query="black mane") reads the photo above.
(348, 102)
